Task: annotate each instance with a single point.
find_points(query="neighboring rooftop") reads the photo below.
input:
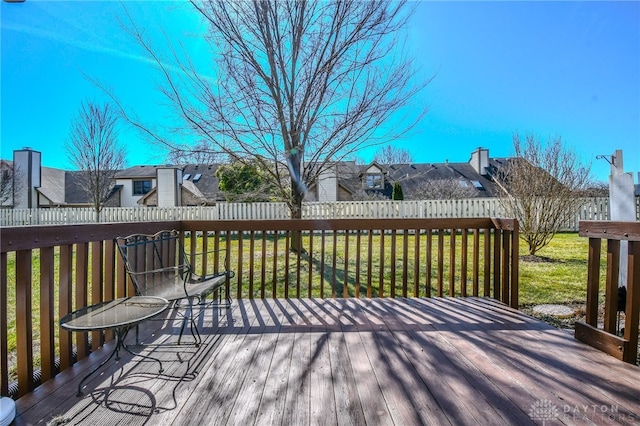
(138, 172)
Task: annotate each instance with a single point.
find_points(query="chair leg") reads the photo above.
(222, 302)
(192, 324)
(184, 322)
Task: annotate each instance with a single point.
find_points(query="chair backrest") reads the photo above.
(156, 263)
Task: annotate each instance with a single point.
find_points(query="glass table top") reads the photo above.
(115, 313)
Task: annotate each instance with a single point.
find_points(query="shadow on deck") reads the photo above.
(355, 361)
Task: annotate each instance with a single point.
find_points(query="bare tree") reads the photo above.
(542, 187)
(12, 183)
(362, 195)
(390, 154)
(202, 152)
(93, 147)
(296, 84)
(443, 189)
(596, 189)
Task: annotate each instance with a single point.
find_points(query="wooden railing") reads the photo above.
(51, 270)
(623, 347)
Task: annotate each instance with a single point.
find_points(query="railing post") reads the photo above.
(81, 270)
(611, 299)
(97, 285)
(632, 311)
(515, 265)
(65, 304)
(4, 349)
(593, 281)
(24, 323)
(487, 263)
(452, 262)
(47, 296)
(497, 269)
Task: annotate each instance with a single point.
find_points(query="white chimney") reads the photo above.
(480, 160)
(168, 186)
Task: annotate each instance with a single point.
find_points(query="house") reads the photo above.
(346, 181)
(164, 186)
(190, 185)
(197, 184)
(336, 182)
(37, 186)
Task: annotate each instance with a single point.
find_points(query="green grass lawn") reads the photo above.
(562, 278)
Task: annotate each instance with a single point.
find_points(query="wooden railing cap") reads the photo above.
(610, 230)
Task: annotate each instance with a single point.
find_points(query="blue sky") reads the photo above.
(552, 68)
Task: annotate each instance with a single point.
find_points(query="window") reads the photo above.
(141, 187)
(197, 177)
(477, 184)
(373, 181)
(186, 177)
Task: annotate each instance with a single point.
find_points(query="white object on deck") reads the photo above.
(7, 410)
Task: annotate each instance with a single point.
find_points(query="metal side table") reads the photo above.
(119, 315)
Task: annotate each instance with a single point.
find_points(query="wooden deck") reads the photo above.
(351, 361)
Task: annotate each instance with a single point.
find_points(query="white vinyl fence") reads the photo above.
(592, 209)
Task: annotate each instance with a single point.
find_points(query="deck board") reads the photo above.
(349, 362)
(297, 398)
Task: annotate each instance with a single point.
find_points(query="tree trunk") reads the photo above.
(298, 190)
(295, 206)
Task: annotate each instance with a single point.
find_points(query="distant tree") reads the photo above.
(596, 189)
(203, 152)
(11, 184)
(244, 181)
(397, 192)
(542, 187)
(363, 195)
(390, 154)
(93, 147)
(442, 189)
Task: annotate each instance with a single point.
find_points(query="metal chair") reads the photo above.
(159, 266)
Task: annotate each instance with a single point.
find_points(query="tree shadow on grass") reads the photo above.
(327, 273)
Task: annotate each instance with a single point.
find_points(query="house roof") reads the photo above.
(75, 188)
(138, 172)
(411, 176)
(349, 176)
(202, 178)
(186, 186)
(62, 187)
(192, 188)
(52, 185)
